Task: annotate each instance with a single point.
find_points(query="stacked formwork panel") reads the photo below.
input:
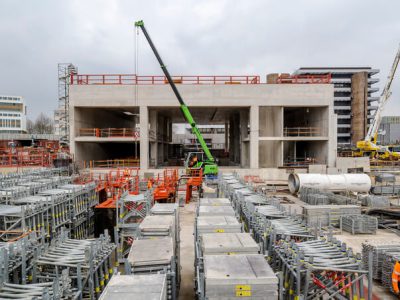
(227, 260)
(136, 287)
(157, 248)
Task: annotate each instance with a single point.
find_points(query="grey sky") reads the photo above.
(194, 37)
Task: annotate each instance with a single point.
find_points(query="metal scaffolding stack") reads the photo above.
(86, 262)
(216, 224)
(356, 224)
(208, 211)
(377, 249)
(388, 262)
(328, 215)
(130, 211)
(155, 256)
(136, 287)
(320, 268)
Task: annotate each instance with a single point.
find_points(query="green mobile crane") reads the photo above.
(194, 160)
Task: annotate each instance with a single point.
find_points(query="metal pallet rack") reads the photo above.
(356, 224)
(320, 268)
(87, 263)
(130, 211)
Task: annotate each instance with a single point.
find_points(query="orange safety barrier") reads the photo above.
(131, 79)
(115, 183)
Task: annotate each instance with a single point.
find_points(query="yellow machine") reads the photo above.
(369, 146)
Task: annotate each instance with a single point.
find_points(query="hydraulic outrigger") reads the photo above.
(193, 161)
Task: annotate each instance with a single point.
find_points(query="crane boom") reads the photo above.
(184, 108)
(373, 129)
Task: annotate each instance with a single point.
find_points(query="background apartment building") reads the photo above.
(12, 114)
(355, 99)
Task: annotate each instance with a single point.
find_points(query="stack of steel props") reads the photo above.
(83, 200)
(318, 268)
(356, 224)
(22, 218)
(13, 192)
(59, 215)
(377, 248)
(53, 290)
(389, 260)
(88, 263)
(376, 201)
(328, 215)
(16, 257)
(268, 232)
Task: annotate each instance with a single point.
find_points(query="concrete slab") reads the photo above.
(150, 252)
(228, 243)
(216, 211)
(186, 215)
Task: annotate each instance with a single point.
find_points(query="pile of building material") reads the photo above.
(86, 262)
(373, 201)
(136, 287)
(389, 260)
(378, 249)
(318, 197)
(247, 275)
(204, 211)
(227, 243)
(328, 215)
(217, 224)
(359, 224)
(152, 256)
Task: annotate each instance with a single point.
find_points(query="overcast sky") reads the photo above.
(193, 37)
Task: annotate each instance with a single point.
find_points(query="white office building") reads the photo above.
(12, 114)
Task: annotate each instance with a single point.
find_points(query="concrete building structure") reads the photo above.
(268, 125)
(12, 114)
(355, 99)
(389, 130)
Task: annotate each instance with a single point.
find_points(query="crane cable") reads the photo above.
(136, 64)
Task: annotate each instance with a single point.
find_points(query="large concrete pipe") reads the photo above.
(334, 183)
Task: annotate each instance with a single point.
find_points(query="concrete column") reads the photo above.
(226, 136)
(244, 121)
(254, 128)
(144, 137)
(153, 120)
(236, 137)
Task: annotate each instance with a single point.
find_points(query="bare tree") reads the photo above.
(29, 126)
(43, 124)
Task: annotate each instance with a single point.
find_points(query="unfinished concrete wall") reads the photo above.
(271, 121)
(270, 154)
(359, 106)
(307, 117)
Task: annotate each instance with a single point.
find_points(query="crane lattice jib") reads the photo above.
(373, 129)
(185, 110)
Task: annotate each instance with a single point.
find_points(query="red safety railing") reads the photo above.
(304, 79)
(131, 79)
(109, 132)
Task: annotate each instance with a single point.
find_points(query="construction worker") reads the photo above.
(149, 184)
(396, 278)
(193, 161)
